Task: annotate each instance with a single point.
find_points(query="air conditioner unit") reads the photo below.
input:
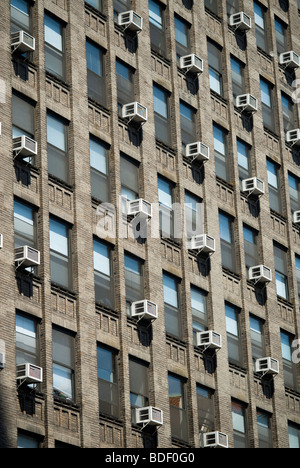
(290, 59)
(240, 21)
(1, 241)
(139, 207)
(253, 186)
(260, 274)
(24, 146)
(296, 217)
(130, 20)
(267, 366)
(23, 42)
(293, 137)
(209, 340)
(149, 416)
(2, 360)
(203, 243)
(191, 63)
(135, 112)
(247, 103)
(215, 440)
(27, 256)
(29, 373)
(144, 310)
(197, 152)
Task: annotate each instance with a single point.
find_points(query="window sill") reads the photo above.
(172, 242)
(278, 215)
(231, 273)
(95, 12)
(175, 340)
(265, 54)
(160, 57)
(271, 133)
(66, 404)
(60, 182)
(57, 80)
(238, 368)
(109, 418)
(225, 183)
(219, 97)
(98, 105)
(211, 13)
(56, 287)
(102, 308)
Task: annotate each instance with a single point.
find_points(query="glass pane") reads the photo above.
(106, 365)
(63, 348)
(160, 102)
(62, 382)
(170, 291)
(59, 237)
(23, 116)
(102, 258)
(56, 133)
(27, 442)
(53, 33)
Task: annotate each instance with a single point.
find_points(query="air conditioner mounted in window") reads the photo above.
(253, 186)
(24, 146)
(209, 340)
(290, 59)
(203, 244)
(27, 256)
(247, 103)
(135, 112)
(149, 416)
(267, 366)
(23, 42)
(296, 217)
(293, 137)
(130, 20)
(146, 310)
(29, 373)
(260, 274)
(215, 440)
(1, 241)
(240, 21)
(2, 360)
(197, 152)
(139, 207)
(191, 63)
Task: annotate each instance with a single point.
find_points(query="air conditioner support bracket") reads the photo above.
(207, 347)
(197, 74)
(126, 27)
(141, 318)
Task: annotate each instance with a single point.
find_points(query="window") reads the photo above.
(108, 381)
(172, 307)
(104, 284)
(139, 387)
(199, 311)
(24, 225)
(206, 410)
(157, 27)
(120, 6)
(257, 339)
(182, 36)
(233, 336)
(227, 242)
(193, 215)
(294, 429)
(281, 271)
(134, 280)
(250, 247)
(162, 115)
(238, 78)
(166, 213)
(97, 4)
(274, 187)
(60, 254)
(221, 153)
(55, 47)
(294, 188)
(288, 113)
(57, 147)
(267, 105)
(27, 340)
(63, 364)
(129, 180)
(20, 11)
(232, 7)
(178, 411)
(23, 119)
(264, 426)
(212, 5)
(289, 368)
(297, 260)
(281, 36)
(188, 125)
(260, 27)
(239, 426)
(244, 160)
(27, 441)
(215, 68)
(99, 159)
(96, 73)
(125, 84)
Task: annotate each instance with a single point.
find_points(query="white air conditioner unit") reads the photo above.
(209, 340)
(253, 186)
(267, 366)
(215, 440)
(22, 41)
(203, 244)
(24, 146)
(139, 207)
(290, 59)
(197, 152)
(27, 256)
(296, 217)
(260, 274)
(2, 360)
(144, 310)
(1, 241)
(293, 137)
(135, 112)
(240, 21)
(191, 63)
(149, 416)
(247, 103)
(130, 20)
(29, 373)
